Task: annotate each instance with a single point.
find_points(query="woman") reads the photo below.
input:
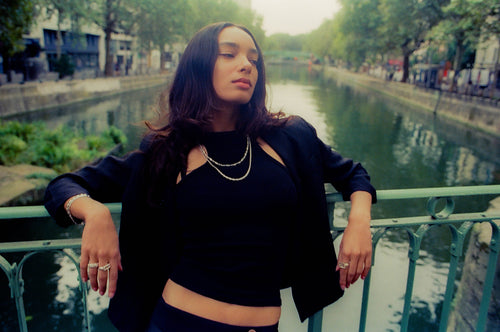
(222, 206)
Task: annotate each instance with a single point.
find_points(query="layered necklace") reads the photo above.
(214, 163)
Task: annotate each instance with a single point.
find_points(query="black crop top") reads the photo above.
(235, 233)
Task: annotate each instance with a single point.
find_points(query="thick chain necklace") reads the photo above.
(214, 163)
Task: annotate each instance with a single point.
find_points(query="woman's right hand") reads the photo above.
(100, 245)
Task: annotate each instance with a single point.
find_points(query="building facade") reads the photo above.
(83, 52)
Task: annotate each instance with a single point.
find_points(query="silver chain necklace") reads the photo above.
(214, 163)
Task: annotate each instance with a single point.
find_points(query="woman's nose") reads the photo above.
(246, 65)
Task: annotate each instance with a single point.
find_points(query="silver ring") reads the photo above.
(105, 268)
(343, 265)
(93, 265)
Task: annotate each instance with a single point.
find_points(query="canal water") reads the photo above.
(401, 147)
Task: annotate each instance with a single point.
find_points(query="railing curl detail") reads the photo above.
(432, 204)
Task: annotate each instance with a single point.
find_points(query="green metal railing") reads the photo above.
(416, 228)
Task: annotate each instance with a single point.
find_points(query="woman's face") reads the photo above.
(235, 72)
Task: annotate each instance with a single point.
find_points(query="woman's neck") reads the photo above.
(224, 120)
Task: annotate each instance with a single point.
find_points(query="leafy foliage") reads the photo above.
(113, 16)
(64, 66)
(61, 149)
(367, 31)
(15, 17)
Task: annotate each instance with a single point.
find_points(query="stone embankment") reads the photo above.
(32, 96)
(469, 293)
(471, 111)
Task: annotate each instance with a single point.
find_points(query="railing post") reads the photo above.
(456, 251)
(367, 282)
(413, 255)
(315, 322)
(83, 287)
(17, 289)
(364, 303)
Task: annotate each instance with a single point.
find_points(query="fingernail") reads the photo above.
(101, 293)
(94, 289)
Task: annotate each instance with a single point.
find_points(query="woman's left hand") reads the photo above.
(355, 255)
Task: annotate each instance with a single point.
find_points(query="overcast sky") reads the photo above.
(294, 16)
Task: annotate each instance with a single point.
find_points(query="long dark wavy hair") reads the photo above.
(191, 100)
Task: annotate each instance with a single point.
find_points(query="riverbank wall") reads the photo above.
(468, 297)
(34, 96)
(470, 111)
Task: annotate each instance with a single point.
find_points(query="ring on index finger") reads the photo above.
(93, 265)
(343, 265)
(105, 268)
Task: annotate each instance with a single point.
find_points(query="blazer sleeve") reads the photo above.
(346, 175)
(104, 181)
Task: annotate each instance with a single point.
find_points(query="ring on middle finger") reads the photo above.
(93, 265)
(105, 268)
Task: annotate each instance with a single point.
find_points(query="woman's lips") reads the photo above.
(243, 83)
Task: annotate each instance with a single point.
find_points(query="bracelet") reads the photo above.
(68, 206)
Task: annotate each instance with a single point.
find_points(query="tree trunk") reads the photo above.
(496, 68)
(59, 40)
(109, 28)
(406, 67)
(6, 66)
(458, 62)
(407, 51)
(108, 66)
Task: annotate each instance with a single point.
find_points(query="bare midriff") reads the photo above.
(223, 312)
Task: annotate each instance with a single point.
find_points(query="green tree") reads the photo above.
(174, 21)
(112, 16)
(284, 42)
(320, 40)
(461, 26)
(405, 25)
(70, 12)
(166, 23)
(359, 21)
(205, 12)
(16, 17)
(490, 27)
(490, 10)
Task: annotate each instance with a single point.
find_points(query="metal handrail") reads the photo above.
(416, 228)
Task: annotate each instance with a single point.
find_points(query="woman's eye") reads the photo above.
(227, 55)
(254, 62)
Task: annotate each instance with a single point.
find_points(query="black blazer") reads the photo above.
(149, 235)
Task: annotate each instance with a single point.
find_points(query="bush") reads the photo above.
(10, 147)
(61, 149)
(116, 135)
(64, 66)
